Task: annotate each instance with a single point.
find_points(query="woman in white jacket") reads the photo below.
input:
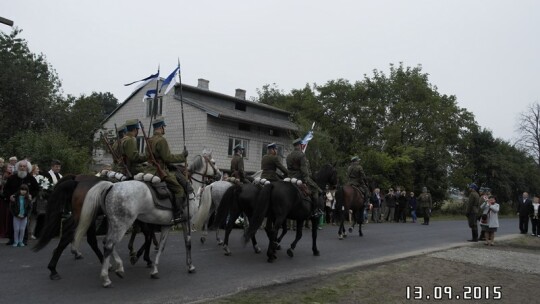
(492, 218)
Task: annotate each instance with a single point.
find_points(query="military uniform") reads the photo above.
(357, 177)
(129, 150)
(473, 207)
(424, 202)
(298, 167)
(269, 165)
(118, 164)
(163, 156)
(237, 164)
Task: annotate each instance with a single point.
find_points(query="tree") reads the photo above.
(529, 128)
(29, 87)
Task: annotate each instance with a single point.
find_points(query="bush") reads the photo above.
(452, 207)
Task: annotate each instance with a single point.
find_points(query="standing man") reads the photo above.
(523, 212)
(54, 175)
(22, 176)
(357, 177)
(390, 209)
(270, 163)
(425, 203)
(162, 154)
(118, 164)
(473, 207)
(299, 168)
(237, 164)
(130, 153)
(376, 202)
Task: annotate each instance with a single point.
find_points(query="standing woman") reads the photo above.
(492, 219)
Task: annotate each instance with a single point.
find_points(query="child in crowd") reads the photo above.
(20, 207)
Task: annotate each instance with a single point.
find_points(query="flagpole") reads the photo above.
(154, 105)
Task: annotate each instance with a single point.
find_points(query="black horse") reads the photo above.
(279, 201)
(237, 200)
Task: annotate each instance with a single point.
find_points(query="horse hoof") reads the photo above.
(345, 235)
(290, 252)
(220, 242)
(350, 230)
(228, 253)
(55, 277)
(257, 250)
(149, 264)
(191, 269)
(340, 237)
(107, 284)
(79, 257)
(133, 260)
(360, 234)
(120, 274)
(154, 276)
(270, 260)
(316, 253)
(203, 239)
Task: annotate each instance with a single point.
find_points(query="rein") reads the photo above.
(205, 178)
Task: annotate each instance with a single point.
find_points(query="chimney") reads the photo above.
(241, 94)
(203, 84)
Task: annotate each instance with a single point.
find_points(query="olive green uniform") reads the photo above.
(118, 164)
(424, 202)
(163, 156)
(357, 178)
(269, 165)
(298, 167)
(473, 206)
(237, 167)
(131, 155)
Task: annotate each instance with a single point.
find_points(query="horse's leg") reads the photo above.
(67, 236)
(154, 240)
(186, 226)
(134, 231)
(271, 234)
(204, 231)
(299, 225)
(115, 234)
(283, 232)
(359, 216)
(228, 228)
(91, 239)
(314, 231)
(149, 236)
(163, 239)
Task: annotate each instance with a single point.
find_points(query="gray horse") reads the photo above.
(124, 202)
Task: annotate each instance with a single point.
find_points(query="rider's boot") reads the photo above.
(178, 217)
(186, 185)
(315, 208)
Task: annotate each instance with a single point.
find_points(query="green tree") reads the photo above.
(29, 87)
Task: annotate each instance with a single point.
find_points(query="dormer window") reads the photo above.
(240, 106)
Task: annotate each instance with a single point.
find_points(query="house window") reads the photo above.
(152, 106)
(235, 141)
(140, 144)
(273, 132)
(265, 149)
(244, 127)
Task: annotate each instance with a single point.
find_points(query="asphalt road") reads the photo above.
(25, 279)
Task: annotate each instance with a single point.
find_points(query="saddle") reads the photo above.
(161, 195)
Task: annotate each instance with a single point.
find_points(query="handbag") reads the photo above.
(484, 219)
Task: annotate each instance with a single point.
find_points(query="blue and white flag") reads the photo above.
(307, 138)
(169, 81)
(149, 94)
(147, 79)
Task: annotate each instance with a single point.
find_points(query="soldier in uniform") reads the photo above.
(424, 202)
(298, 167)
(130, 153)
(237, 164)
(118, 164)
(270, 163)
(473, 206)
(357, 177)
(163, 157)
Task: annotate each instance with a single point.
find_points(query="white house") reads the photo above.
(213, 121)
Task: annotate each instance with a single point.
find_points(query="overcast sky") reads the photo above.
(486, 53)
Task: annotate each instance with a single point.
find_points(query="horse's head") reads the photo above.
(202, 168)
(327, 175)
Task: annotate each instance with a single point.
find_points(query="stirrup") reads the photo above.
(178, 219)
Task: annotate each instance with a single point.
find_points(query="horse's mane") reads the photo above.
(196, 164)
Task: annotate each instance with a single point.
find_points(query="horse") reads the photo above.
(124, 202)
(349, 199)
(237, 200)
(283, 200)
(209, 203)
(71, 189)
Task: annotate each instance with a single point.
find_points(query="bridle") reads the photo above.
(205, 178)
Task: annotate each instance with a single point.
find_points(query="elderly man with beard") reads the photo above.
(22, 176)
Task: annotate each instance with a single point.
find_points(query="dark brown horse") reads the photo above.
(71, 189)
(349, 199)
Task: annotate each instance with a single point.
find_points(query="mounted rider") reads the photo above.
(357, 177)
(162, 154)
(270, 163)
(237, 164)
(118, 165)
(128, 149)
(298, 167)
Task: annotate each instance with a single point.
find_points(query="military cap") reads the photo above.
(297, 141)
(159, 122)
(271, 146)
(238, 147)
(473, 186)
(132, 124)
(355, 158)
(122, 128)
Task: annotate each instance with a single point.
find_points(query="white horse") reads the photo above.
(209, 203)
(124, 202)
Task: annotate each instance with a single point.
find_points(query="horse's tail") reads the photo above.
(205, 203)
(260, 211)
(229, 198)
(58, 199)
(90, 207)
(340, 203)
